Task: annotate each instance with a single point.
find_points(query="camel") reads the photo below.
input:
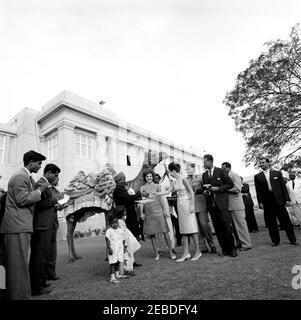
(151, 159)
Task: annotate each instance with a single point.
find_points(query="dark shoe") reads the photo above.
(53, 278)
(135, 264)
(233, 254)
(223, 254)
(205, 251)
(275, 244)
(213, 250)
(295, 243)
(41, 292)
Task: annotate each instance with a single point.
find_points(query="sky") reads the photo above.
(164, 65)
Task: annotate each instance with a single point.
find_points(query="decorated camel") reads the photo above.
(91, 194)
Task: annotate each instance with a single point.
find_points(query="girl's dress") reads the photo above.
(132, 246)
(155, 221)
(116, 237)
(187, 220)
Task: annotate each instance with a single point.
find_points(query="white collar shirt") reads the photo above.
(267, 176)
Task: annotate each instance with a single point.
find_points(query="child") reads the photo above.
(132, 245)
(115, 246)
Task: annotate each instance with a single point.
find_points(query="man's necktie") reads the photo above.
(32, 182)
(209, 172)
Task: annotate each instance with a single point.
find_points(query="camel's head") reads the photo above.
(151, 159)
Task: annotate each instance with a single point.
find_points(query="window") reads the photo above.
(52, 148)
(2, 147)
(84, 145)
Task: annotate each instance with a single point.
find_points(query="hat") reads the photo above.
(119, 178)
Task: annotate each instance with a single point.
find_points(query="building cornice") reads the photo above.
(62, 102)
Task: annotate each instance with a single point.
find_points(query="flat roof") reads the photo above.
(79, 104)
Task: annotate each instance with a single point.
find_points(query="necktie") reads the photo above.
(32, 183)
(209, 172)
(293, 184)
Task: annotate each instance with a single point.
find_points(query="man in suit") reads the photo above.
(44, 226)
(17, 225)
(51, 265)
(201, 210)
(272, 196)
(216, 183)
(122, 197)
(249, 207)
(237, 208)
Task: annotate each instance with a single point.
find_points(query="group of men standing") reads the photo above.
(221, 192)
(29, 228)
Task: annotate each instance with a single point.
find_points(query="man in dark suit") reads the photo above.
(272, 197)
(216, 183)
(122, 197)
(44, 226)
(17, 225)
(249, 207)
(51, 265)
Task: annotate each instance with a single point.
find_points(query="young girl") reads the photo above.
(132, 245)
(115, 246)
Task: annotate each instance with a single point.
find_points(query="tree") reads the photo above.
(266, 102)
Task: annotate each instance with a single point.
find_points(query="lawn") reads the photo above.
(261, 273)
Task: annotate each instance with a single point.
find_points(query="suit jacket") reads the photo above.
(279, 189)
(199, 199)
(221, 180)
(235, 196)
(296, 190)
(123, 198)
(20, 204)
(45, 216)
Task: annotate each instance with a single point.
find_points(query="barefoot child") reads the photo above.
(115, 247)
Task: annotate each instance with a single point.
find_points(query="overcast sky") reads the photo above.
(164, 65)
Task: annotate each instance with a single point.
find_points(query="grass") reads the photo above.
(261, 273)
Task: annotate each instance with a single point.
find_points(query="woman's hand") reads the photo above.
(142, 216)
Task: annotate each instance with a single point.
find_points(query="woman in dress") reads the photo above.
(154, 211)
(186, 211)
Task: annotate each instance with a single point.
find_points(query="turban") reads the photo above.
(119, 178)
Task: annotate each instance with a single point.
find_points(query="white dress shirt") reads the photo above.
(267, 176)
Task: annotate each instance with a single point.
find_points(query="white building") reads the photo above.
(77, 134)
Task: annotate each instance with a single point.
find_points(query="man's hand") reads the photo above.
(44, 186)
(260, 205)
(214, 189)
(58, 206)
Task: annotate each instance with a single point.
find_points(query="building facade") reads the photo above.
(77, 134)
